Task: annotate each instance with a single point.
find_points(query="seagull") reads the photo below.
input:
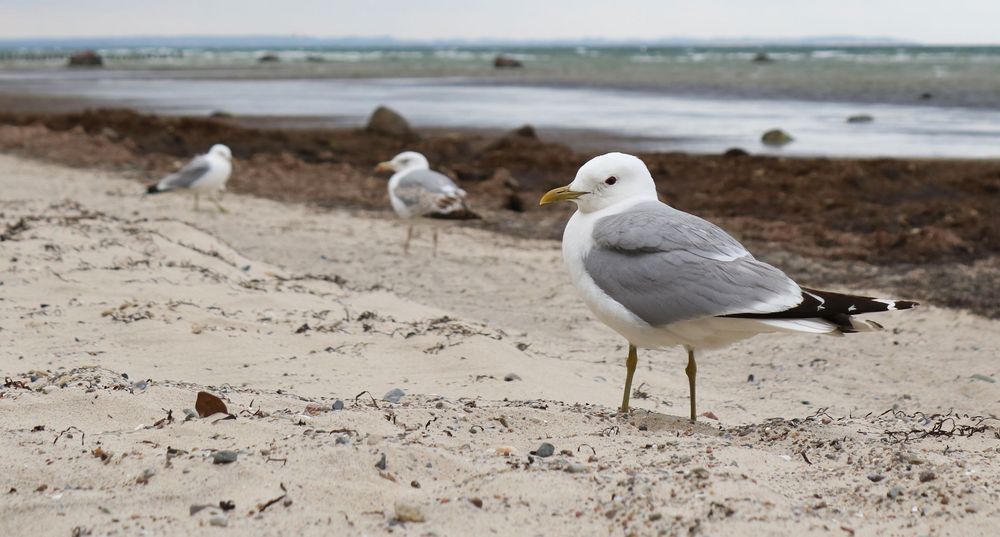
(208, 172)
(662, 277)
(416, 190)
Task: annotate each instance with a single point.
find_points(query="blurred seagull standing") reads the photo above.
(205, 173)
(662, 277)
(415, 190)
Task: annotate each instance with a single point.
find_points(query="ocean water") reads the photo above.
(926, 101)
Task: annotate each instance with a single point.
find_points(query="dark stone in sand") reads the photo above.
(875, 477)
(269, 58)
(387, 122)
(544, 450)
(224, 456)
(927, 475)
(776, 138)
(85, 58)
(860, 118)
(394, 395)
(735, 152)
(506, 62)
(338, 405)
(510, 377)
(382, 463)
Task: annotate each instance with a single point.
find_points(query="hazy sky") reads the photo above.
(928, 21)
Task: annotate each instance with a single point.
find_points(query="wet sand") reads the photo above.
(283, 308)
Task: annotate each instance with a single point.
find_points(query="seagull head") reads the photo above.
(222, 151)
(407, 160)
(604, 181)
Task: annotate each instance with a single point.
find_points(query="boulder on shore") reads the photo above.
(506, 62)
(776, 138)
(387, 122)
(85, 58)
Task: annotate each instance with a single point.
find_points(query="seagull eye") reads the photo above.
(611, 180)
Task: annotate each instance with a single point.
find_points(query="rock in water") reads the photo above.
(761, 57)
(860, 118)
(506, 62)
(86, 58)
(388, 122)
(269, 58)
(776, 138)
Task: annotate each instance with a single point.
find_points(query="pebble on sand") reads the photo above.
(394, 395)
(408, 513)
(224, 456)
(544, 450)
(510, 377)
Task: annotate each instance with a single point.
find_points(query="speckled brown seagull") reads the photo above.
(662, 277)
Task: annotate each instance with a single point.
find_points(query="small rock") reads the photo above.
(576, 468)
(776, 138)
(381, 464)
(85, 58)
(875, 477)
(394, 395)
(510, 377)
(338, 405)
(49, 389)
(190, 414)
(544, 450)
(860, 118)
(700, 473)
(145, 475)
(224, 456)
(388, 122)
(736, 152)
(408, 513)
(894, 492)
(415, 484)
(343, 440)
(927, 475)
(478, 502)
(506, 62)
(984, 378)
(219, 520)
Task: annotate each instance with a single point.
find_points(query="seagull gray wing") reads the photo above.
(427, 192)
(667, 266)
(186, 176)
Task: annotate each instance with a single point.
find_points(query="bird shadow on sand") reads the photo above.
(646, 420)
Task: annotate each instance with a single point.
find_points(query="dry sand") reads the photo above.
(283, 309)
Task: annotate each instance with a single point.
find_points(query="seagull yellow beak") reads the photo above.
(562, 193)
(383, 167)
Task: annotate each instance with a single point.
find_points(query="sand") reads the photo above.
(282, 309)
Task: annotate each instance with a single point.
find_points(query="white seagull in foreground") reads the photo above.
(205, 173)
(416, 190)
(662, 277)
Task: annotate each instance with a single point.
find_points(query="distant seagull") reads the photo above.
(416, 190)
(662, 277)
(205, 173)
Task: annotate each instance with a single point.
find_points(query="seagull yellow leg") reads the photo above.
(692, 370)
(409, 235)
(630, 364)
(218, 205)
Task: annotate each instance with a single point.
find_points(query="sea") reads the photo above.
(917, 101)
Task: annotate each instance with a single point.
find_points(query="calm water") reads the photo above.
(687, 99)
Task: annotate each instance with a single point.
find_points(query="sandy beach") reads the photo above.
(118, 309)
